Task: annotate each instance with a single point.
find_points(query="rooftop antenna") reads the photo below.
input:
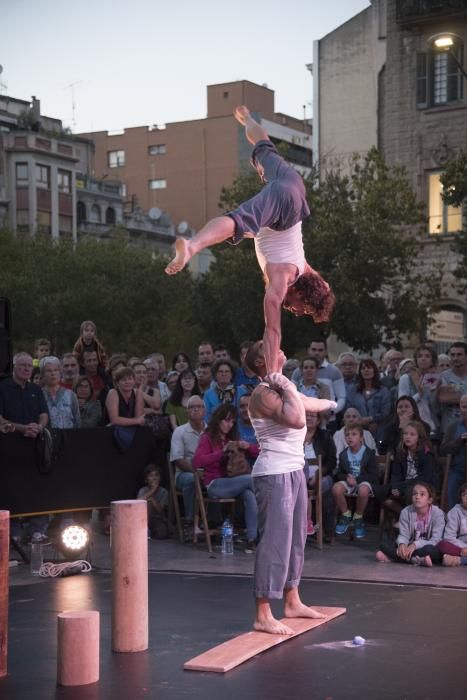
(71, 87)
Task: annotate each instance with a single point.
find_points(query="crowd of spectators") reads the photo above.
(412, 405)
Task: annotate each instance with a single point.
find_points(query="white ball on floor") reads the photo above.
(358, 641)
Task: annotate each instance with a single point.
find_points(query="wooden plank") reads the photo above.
(230, 654)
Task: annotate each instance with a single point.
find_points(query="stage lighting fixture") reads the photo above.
(74, 539)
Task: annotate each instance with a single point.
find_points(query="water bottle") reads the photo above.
(227, 537)
(36, 558)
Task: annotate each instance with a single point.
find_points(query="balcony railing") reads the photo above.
(414, 11)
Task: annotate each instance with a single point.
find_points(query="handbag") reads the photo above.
(237, 463)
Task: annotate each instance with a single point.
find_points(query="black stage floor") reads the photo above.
(415, 648)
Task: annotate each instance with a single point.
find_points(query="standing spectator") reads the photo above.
(348, 365)
(421, 381)
(70, 370)
(453, 383)
(243, 375)
(90, 409)
(309, 384)
(176, 406)
(391, 361)
(444, 362)
(370, 398)
(223, 390)
(351, 418)
(289, 367)
(153, 381)
(455, 444)
(91, 371)
(88, 341)
(152, 397)
(211, 455)
(180, 362)
(221, 352)
(42, 348)
(62, 403)
(171, 380)
(125, 405)
(204, 375)
(22, 403)
(185, 439)
(205, 352)
(36, 376)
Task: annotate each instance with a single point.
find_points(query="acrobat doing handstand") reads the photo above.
(273, 218)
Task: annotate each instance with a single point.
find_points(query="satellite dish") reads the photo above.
(155, 213)
(182, 227)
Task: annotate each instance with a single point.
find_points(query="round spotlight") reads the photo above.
(74, 539)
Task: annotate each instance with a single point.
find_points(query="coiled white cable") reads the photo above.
(80, 566)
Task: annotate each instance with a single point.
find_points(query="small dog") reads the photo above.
(237, 462)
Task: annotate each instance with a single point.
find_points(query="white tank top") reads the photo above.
(281, 247)
(281, 447)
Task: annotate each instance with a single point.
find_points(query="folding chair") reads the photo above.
(202, 501)
(174, 506)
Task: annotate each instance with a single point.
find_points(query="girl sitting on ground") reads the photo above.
(421, 527)
(453, 546)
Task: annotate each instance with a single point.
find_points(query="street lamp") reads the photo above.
(445, 42)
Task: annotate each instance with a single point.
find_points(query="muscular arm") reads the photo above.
(285, 408)
(253, 131)
(279, 276)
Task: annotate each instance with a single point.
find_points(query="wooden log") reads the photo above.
(4, 572)
(129, 545)
(78, 647)
(236, 651)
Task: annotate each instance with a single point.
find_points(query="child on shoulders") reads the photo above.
(453, 546)
(421, 527)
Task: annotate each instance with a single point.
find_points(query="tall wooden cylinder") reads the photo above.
(129, 545)
(78, 647)
(4, 571)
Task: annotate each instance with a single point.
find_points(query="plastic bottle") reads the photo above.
(36, 558)
(227, 537)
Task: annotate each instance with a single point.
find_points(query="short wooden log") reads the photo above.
(78, 647)
(129, 537)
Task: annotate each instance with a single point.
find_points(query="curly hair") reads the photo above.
(318, 297)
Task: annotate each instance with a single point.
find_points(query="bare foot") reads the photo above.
(182, 256)
(301, 610)
(241, 114)
(380, 556)
(426, 561)
(272, 626)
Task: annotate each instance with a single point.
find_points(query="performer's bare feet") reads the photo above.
(302, 610)
(182, 256)
(271, 626)
(241, 113)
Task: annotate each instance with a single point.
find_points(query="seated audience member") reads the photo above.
(22, 403)
(421, 527)
(176, 406)
(452, 384)
(420, 382)
(370, 398)
(97, 378)
(444, 362)
(152, 397)
(352, 417)
(62, 403)
(455, 444)
(453, 546)
(223, 389)
(221, 352)
(289, 367)
(124, 404)
(244, 377)
(157, 498)
(205, 352)
(413, 461)
(153, 381)
(185, 439)
(204, 375)
(70, 370)
(23, 408)
(42, 348)
(88, 341)
(90, 409)
(211, 456)
(180, 362)
(390, 363)
(357, 475)
(404, 411)
(319, 443)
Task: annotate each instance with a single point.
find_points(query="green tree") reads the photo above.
(454, 182)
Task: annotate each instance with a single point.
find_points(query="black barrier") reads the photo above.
(85, 469)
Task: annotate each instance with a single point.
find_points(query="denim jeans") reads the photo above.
(185, 482)
(241, 486)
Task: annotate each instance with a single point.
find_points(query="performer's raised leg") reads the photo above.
(215, 231)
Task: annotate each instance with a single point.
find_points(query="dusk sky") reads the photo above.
(148, 62)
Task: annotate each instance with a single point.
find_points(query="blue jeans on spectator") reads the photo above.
(241, 486)
(185, 482)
